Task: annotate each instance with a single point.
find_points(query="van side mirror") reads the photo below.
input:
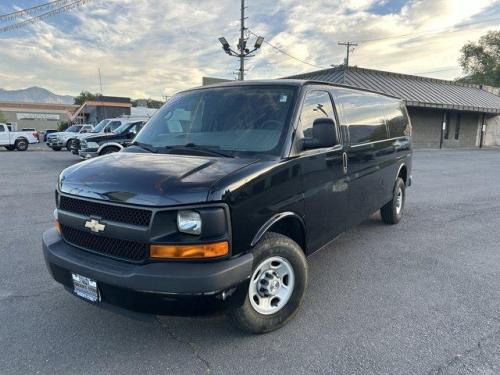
(324, 134)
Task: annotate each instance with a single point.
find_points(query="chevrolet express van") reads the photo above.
(223, 195)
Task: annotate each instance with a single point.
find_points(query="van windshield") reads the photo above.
(235, 120)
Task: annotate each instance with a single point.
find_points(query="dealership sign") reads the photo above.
(38, 116)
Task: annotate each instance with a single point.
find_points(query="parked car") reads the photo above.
(104, 127)
(224, 193)
(108, 143)
(56, 141)
(14, 140)
(47, 132)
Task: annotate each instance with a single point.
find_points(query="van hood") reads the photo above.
(148, 179)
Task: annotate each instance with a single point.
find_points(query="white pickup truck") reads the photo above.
(13, 140)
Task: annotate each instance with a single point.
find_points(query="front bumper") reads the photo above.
(55, 143)
(179, 288)
(88, 153)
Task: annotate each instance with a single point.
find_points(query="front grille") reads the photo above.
(119, 214)
(113, 247)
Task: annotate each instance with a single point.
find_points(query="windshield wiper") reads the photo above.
(145, 146)
(210, 150)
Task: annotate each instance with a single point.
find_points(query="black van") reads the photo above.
(224, 193)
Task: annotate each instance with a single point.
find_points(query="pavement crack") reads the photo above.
(195, 350)
(478, 347)
(7, 296)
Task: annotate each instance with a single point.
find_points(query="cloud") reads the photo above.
(147, 48)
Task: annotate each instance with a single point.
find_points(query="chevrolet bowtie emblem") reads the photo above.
(94, 226)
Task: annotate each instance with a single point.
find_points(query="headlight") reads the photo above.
(59, 181)
(90, 145)
(189, 222)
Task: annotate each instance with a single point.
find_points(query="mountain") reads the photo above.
(34, 95)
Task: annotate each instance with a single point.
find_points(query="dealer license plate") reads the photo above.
(85, 288)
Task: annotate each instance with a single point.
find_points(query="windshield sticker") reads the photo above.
(283, 98)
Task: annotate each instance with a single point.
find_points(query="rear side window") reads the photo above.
(2, 128)
(396, 120)
(317, 104)
(363, 114)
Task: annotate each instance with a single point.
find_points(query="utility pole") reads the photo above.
(242, 51)
(348, 46)
(100, 80)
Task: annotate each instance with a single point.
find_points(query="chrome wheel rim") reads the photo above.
(399, 201)
(271, 285)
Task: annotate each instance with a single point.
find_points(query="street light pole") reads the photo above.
(242, 52)
(242, 43)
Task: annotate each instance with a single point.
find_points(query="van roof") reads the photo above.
(287, 82)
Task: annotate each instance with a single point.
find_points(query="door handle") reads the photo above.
(344, 162)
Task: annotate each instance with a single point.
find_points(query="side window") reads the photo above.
(395, 118)
(136, 129)
(363, 114)
(317, 104)
(113, 125)
(2, 129)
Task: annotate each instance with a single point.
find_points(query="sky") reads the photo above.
(153, 48)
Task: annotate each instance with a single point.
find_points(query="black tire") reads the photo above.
(271, 245)
(21, 145)
(10, 148)
(109, 150)
(56, 148)
(68, 144)
(390, 213)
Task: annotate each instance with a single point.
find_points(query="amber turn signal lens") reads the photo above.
(58, 226)
(196, 251)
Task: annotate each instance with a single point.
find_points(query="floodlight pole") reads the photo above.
(241, 52)
(242, 42)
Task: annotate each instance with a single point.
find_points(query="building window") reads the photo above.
(457, 126)
(447, 125)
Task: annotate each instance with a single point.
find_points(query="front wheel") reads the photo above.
(277, 285)
(69, 144)
(21, 145)
(392, 212)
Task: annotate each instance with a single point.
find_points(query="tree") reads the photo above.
(84, 96)
(62, 126)
(481, 60)
(149, 103)
(3, 118)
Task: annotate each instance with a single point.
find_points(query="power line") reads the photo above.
(286, 53)
(439, 70)
(33, 10)
(43, 16)
(456, 27)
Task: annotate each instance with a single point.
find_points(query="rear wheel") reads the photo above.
(21, 145)
(392, 212)
(277, 285)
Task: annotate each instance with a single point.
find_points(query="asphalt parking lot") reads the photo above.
(422, 297)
